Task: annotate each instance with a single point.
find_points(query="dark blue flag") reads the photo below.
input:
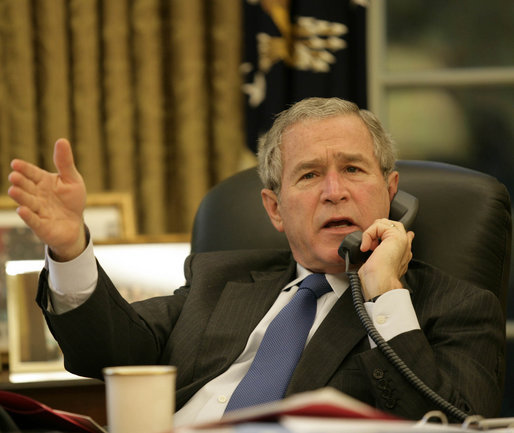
(300, 48)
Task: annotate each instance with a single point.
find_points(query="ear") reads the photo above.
(270, 203)
(392, 184)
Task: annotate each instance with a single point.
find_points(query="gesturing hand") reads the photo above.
(52, 204)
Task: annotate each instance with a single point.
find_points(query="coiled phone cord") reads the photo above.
(390, 354)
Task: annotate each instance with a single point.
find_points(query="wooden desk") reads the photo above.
(83, 396)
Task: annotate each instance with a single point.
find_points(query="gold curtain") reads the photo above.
(147, 91)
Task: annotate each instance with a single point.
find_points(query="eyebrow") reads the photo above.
(306, 165)
(317, 162)
(350, 157)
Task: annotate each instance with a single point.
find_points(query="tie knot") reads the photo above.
(316, 283)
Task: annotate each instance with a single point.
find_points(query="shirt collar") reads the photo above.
(338, 282)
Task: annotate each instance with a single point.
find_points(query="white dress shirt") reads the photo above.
(72, 282)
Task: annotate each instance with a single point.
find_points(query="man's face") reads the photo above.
(332, 185)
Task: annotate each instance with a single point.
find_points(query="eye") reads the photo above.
(308, 176)
(352, 169)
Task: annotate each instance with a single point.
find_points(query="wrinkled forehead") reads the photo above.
(342, 136)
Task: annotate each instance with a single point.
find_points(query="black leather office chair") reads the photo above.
(463, 226)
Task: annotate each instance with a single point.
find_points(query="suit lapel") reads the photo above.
(333, 341)
(240, 308)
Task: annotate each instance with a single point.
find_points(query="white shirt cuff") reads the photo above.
(392, 314)
(71, 282)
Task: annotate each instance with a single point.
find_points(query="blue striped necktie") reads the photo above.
(281, 347)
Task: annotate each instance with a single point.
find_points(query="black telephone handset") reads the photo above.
(404, 208)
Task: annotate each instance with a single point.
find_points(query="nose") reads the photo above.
(334, 188)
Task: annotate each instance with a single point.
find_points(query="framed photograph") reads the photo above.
(139, 270)
(16, 242)
(110, 216)
(31, 345)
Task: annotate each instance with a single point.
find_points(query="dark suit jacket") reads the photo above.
(204, 326)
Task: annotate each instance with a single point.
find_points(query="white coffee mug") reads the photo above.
(140, 398)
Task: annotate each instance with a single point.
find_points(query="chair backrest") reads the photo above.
(463, 226)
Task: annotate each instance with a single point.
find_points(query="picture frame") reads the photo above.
(110, 216)
(31, 347)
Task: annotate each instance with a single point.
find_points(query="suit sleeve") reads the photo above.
(106, 330)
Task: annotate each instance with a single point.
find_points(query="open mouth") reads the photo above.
(338, 223)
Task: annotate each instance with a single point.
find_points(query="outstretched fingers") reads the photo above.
(19, 181)
(29, 171)
(24, 180)
(24, 198)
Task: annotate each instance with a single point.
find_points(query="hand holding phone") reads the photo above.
(404, 209)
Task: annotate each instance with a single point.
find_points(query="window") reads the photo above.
(441, 78)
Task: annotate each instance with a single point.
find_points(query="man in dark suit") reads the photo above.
(328, 170)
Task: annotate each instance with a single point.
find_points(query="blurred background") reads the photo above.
(162, 99)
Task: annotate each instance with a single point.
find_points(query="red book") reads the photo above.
(29, 414)
(322, 403)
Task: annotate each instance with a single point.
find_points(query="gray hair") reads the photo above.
(270, 155)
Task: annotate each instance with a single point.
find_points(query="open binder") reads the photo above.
(328, 406)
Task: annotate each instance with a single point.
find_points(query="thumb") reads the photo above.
(64, 162)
